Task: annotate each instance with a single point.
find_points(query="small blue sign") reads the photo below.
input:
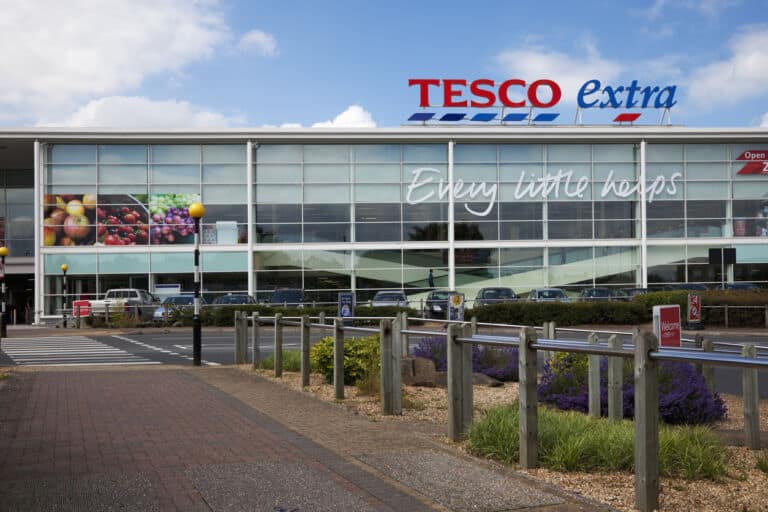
(456, 307)
(346, 304)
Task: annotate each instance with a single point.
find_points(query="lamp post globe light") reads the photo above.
(196, 211)
(3, 254)
(64, 267)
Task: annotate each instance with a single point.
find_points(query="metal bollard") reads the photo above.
(615, 380)
(594, 379)
(237, 336)
(255, 339)
(305, 345)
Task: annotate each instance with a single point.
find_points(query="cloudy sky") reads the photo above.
(228, 63)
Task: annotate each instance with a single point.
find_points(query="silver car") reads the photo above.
(391, 299)
(548, 295)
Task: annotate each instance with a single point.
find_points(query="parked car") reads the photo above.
(129, 300)
(494, 295)
(174, 303)
(233, 299)
(437, 303)
(548, 295)
(287, 297)
(388, 298)
(634, 292)
(602, 294)
(685, 286)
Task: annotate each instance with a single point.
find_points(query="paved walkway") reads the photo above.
(153, 438)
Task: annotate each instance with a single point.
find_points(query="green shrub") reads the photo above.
(291, 361)
(568, 313)
(762, 461)
(570, 441)
(361, 355)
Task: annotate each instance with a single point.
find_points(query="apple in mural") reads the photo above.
(75, 208)
(89, 201)
(66, 241)
(52, 224)
(76, 227)
(49, 236)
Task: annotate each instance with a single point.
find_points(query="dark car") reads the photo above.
(602, 294)
(494, 295)
(287, 297)
(172, 304)
(634, 292)
(750, 287)
(437, 303)
(685, 286)
(233, 299)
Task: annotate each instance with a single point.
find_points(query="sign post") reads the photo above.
(666, 325)
(346, 306)
(693, 318)
(456, 307)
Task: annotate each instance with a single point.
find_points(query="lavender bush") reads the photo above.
(683, 394)
(499, 363)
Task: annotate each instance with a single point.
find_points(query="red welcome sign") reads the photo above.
(694, 309)
(666, 325)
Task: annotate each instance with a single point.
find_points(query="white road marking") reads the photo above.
(67, 351)
(158, 349)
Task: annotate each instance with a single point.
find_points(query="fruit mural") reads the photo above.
(70, 219)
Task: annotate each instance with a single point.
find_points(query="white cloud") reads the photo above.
(262, 42)
(739, 76)
(765, 120)
(54, 55)
(568, 71)
(707, 8)
(354, 117)
(139, 112)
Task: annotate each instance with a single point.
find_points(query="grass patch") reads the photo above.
(412, 404)
(570, 441)
(370, 383)
(762, 461)
(4, 375)
(291, 361)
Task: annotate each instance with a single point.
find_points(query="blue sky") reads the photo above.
(186, 64)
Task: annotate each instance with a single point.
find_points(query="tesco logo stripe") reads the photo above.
(627, 117)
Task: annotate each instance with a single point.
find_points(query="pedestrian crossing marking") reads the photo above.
(67, 351)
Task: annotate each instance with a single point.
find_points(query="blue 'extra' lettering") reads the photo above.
(625, 96)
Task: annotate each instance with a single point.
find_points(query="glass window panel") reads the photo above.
(569, 230)
(576, 171)
(23, 196)
(326, 153)
(379, 193)
(662, 255)
(277, 194)
(125, 189)
(750, 190)
(615, 210)
(315, 233)
(569, 153)
(175, 189)
(326, 213)
(664, 153)
(186, 174)
(123, 154)
(224, 153)
(476, 212)
(425, 153)
(672, 228)
(377, 278)
(521, 153)
(425, 212)
(376, 153)
(707, 190)
(374, 259)
(523, 230)
(377, 232)
(377, 212)
(71, 154)
(225, 194)
(568, 255)
(616, 152)
(512, 173)
(622, 256)
(616, 172)
(706, 152)
(419, 278)
(475, 173)
(230, 212)
(522, 257)
(425, 258)
(706, 209)
(271, 280)
(665, 210)
(82, 264)
(171, 262)
(326, 194)
(124, 263)
(425, 231)
(711, 171)
(175, 154)
(425, 174)
(481, 257)
(71, 174)
(267, 173)
(614, 229)
(618, 278)
(570, 211)
(468, 277)
(326, 173)
(424, 193)
(319, 280)
(327, 260)
(122, 175)
(278, 233)
(474, 153)
(521, 211)
(223, 282)
(277, 260)
(224, 173)
(476, 231)
(278, 153)
(278, 213)
(377, 173)
(19, 178)
(706, 228)
(68, 189)
(571, 274)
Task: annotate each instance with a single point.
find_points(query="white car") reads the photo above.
(391, 299)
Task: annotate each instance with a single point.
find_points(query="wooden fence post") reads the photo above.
(278, 347)
(255, 339)
(529, 419)
(238, 326)
(338, 358)
(397, 356)
(646, 423)
(726, 316)
(708, 370)
(305, 342)
(403, 325)
(751, 401)
(467, 393)
(390, 364)
(594, 379)
(615, 381)
(455, 383)
(473, 325)
(321, 318)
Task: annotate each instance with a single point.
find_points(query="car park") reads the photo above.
(631, 293)
(287, 297)
(437, 303)
(233, 299)
(547, 295)
(494, 295)
(750, 287)
(174, 303)
(389, 299)
(602, 294)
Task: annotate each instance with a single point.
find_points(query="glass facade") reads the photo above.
(364, 217)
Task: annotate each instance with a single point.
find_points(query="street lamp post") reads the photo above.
(64, 268)
(196, 211)
(3, 328)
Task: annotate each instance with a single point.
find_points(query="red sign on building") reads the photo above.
(694, 309)
(81, 306)
(666, 325)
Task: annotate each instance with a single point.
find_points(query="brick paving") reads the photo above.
(223, 439)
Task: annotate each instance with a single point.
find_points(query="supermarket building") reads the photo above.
(362, 210)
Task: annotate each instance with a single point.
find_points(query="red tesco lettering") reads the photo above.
(484, 92)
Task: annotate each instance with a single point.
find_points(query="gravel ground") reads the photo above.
(744, 488)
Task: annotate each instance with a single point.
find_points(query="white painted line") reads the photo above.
(99, 364)
(158, 349)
